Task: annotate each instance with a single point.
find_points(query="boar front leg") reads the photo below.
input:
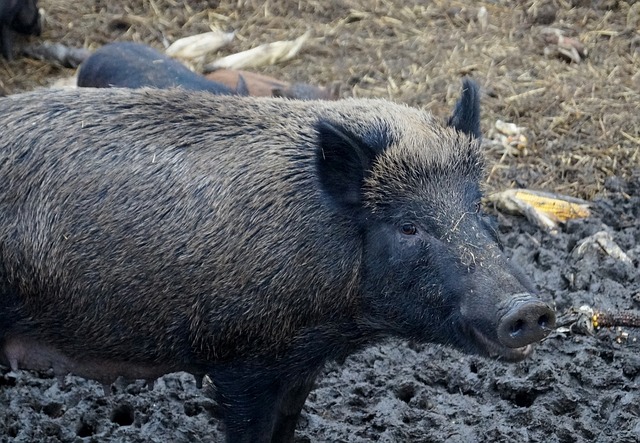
(289, 412)
(249, 401)
(260, 406)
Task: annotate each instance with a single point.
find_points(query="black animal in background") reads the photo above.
(21, 16)
(134, 65)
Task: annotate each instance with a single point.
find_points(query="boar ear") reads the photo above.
(344, 158)
(466, 115)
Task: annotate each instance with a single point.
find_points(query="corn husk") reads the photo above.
(507, 128)
(511, 137)
(566, 47)
(199, 45)
(633, 16)
(583, 322)
(483, 18)
(65, 83)
(602, 241)
(544, 209)
(267, 54)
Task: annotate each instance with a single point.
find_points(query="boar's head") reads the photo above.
(433, 265)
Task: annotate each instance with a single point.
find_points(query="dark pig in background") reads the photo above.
(21, 16)
(252, 240)
(134, 65)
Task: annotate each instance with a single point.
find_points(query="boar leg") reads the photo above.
(248, 402)
(289, 412)
(260, 406)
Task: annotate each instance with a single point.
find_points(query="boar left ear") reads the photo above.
(343, 159)
(466, 114)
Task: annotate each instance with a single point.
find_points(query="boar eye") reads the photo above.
(408, 229)
(478, 207)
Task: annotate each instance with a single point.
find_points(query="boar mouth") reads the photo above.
(496, 350)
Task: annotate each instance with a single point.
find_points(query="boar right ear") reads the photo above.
(343, 159)
(466, 114)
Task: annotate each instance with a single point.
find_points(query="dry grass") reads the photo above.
(582, 120)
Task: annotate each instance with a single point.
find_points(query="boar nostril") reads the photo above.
(517, 327)
(543, 321)
(526, 321)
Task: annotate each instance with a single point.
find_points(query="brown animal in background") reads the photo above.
(259, 85)
(150, 231)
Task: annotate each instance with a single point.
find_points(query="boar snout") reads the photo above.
(526, 320)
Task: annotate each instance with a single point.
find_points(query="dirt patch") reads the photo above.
(583, 136)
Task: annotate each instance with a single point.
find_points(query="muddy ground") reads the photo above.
(583, 139)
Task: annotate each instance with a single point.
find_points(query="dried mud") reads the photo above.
(584, 134)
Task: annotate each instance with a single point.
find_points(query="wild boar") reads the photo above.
(134, 65)
(21, 16)
(252, 240)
